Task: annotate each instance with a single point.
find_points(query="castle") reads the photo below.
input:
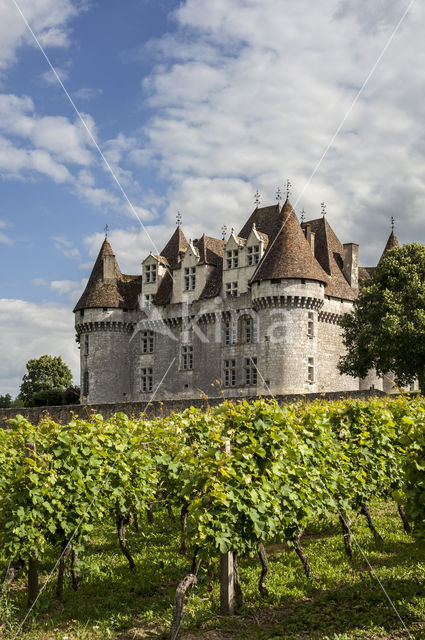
(257, 313)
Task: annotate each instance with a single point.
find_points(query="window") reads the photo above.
(311, 370)
(189, 278)
(147, 342)
(232, 258)
(82, 313)
(251, 371)
(150, 273)
(147, 299)
(86, 345)
(86, 383)
(254, 254)
(187, 357)
(231, 288)
(147, 379)
(247, 327)
(230, 333)
(229, 373)
(310, 324)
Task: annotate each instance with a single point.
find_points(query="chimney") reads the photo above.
(351, 264)
(109, 272)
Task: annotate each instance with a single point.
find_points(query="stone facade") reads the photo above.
(255, 314)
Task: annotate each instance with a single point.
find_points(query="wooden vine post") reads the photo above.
(227, 580)
(33, 581)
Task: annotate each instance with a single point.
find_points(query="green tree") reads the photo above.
(5, 401)
(44, 373)
(386, 331)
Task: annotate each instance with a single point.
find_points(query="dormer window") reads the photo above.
(232, 258)
(189, 278)
(150, 273)
(254, 254)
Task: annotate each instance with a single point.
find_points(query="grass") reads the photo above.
(343, 600)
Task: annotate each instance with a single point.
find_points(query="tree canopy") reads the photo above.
(44, 374)
(386, 330)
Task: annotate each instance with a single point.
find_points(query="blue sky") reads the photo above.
(195, 104)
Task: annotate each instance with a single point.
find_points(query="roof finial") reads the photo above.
(257, 198)
(223, 231)
(179, 218)
(278, 194)
(106, 229)
(288, 188)
(302, 216)
(392, 224)
(323, 205)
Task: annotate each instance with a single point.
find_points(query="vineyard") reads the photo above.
(233, 485)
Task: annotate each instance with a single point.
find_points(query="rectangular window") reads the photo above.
(311, 370)
(254, 254)
(147, 379)
(147, 341)
(251, 371)
(147, 300)
(231, 288)
(187, 357)
(232, 258)
(150, 273)
(229, 373)
(227, 333)
(310, 325)
(86, 345)
(189, 278)
(247, 330)
(230, 332)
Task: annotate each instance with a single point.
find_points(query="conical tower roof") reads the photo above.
(99, 293)
(175, 248)
(392, 243)
(289, 254)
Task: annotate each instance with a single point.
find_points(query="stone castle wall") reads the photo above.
(156, 408)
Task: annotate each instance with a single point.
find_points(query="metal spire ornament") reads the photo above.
(278, 194)
(224, 231)
(257, 198)
(302, 216)
(392, 224)
(288, 188)
(106, 229)
(323, 205)
(179, 219)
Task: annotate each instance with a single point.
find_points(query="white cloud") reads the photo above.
(5, 239)
(87, 93)
(249, 92)
(31, 330)
(64, 246)
(48, 18)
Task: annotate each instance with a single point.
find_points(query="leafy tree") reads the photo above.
(386, 331)
(44, 373)
(5, 401)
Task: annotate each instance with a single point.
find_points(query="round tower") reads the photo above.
(104, 322)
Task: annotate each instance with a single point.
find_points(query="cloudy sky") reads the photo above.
(195, 104)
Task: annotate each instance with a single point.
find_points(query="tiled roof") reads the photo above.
(175, 248)
(120, 295)
(165, 289)
(266, 219)
(289, 254)
(365, 273)
(213, 284)
(329, 253)
(392, 243)
(210, 250)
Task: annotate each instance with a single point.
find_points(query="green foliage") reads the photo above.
(47, 398)
(44, 373)
(387, 328)
(5, 401)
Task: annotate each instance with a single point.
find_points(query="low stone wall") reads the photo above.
(165, 408)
